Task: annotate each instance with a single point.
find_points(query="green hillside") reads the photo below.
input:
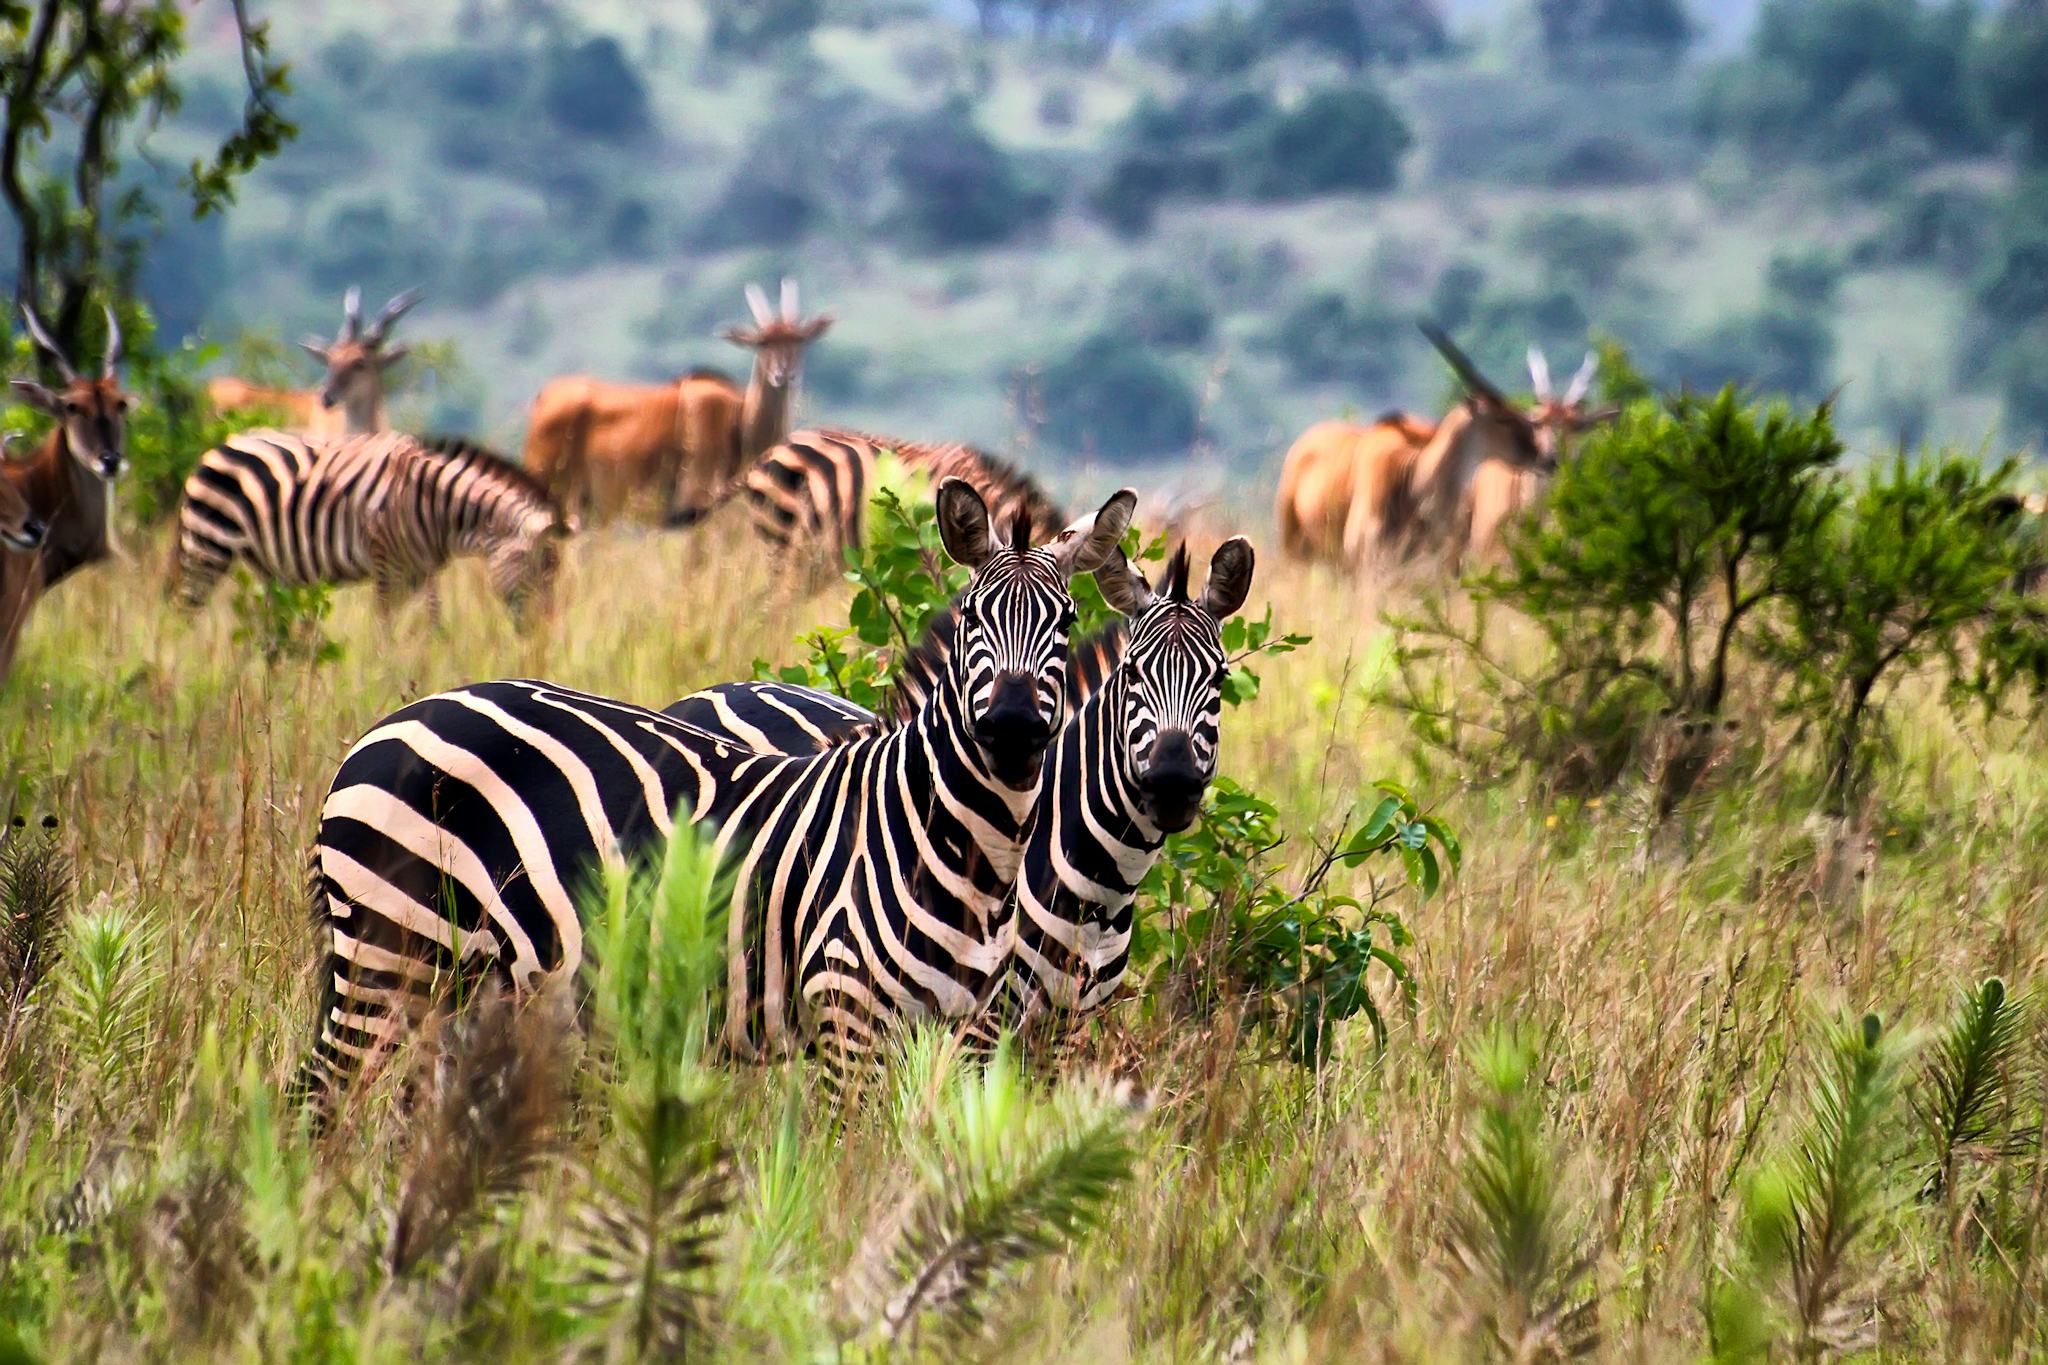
(585, 188)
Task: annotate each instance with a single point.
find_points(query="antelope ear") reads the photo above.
(1230, 578)
(391, 356)
(817, 326)
(38, 396)
(1122, 588)
(963, 523)
(315, 349)
(1083, 547)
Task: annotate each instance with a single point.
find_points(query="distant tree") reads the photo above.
(1357, 32)
(2011, 59)
(1111, 397)
(753, 28)
(592, 90)
(1344, 137)
(1903, 62)
(955, 188)
(78, 80)
(1572, 26)
(1325, 338)
(1158, 309)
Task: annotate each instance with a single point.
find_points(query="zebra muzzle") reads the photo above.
(1013, 733)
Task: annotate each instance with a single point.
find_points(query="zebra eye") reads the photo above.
(1130, 672)
(1222, 672)
(1068, 617)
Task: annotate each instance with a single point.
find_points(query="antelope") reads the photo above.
(350, 399)
(1332, 466)
(1487, 460)
(64, 489)
(595, 444)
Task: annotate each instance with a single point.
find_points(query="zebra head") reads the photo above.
(1009, 661)
(1167, 694)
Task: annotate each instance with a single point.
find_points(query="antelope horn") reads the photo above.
(400, 305)
(1467, 372)
(757, 303)
(42, 339)
(113, 343)
(1539, 372)
(1583, 380)
(351, 314)
(789, 308)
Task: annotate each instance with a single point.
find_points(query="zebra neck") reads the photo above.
(992, 814)
(1088, 847)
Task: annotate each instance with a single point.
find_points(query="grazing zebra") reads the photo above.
(387, 507)
(1129, 768)
(868, 880)
(814, 488)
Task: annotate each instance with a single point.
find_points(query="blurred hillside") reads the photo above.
(1121, 231)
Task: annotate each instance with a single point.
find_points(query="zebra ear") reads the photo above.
(1230, 578)
(1084, 546)
(1128, 592)
(963, 523)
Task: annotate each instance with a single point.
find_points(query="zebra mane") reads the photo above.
(462, 450)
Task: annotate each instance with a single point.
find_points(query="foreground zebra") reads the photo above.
(386, 507)
(1129, 768)
(459, 834)
(814, 488)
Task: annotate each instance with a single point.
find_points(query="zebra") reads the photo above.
(867, 880)
(814, 488)
(385, 506)
(1129, 768)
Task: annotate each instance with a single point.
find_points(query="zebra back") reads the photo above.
(815, 487)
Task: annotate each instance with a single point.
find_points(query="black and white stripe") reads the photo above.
(814, 488)
(387, 507)
(1129, 768)
(461, 835)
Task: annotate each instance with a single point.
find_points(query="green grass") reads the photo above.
(1676, 1012)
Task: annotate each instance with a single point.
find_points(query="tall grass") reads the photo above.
(159, 1200)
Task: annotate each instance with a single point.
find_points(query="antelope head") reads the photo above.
(357, 357)
(92, 410)
(778, 337)
(1537, 432)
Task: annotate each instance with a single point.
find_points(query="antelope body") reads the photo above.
(63, 492)
(1336, 466)
(596, 445)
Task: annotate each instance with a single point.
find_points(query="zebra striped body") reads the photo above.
(1129, 767)
(814, 488)
(460, 835)
(388, 507)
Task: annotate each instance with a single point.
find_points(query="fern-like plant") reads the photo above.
(1809, 1213)
(35, 885)
(1007, 1174)
(1527, 1274)
(1965, 1092)
(491, 1120)
(108, 969)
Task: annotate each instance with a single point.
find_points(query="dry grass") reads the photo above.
(1675, 1008)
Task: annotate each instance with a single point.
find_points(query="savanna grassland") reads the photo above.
(1601, 1123)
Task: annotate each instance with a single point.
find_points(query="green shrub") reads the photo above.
(754, 28)
(1662, 543)
(2010, 58)
(1580, 251)
(1113, 398)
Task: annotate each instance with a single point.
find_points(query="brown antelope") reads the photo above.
(595, 445)
(1334, 465)
(66, 486)
(1487, 460)
(350, 399)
